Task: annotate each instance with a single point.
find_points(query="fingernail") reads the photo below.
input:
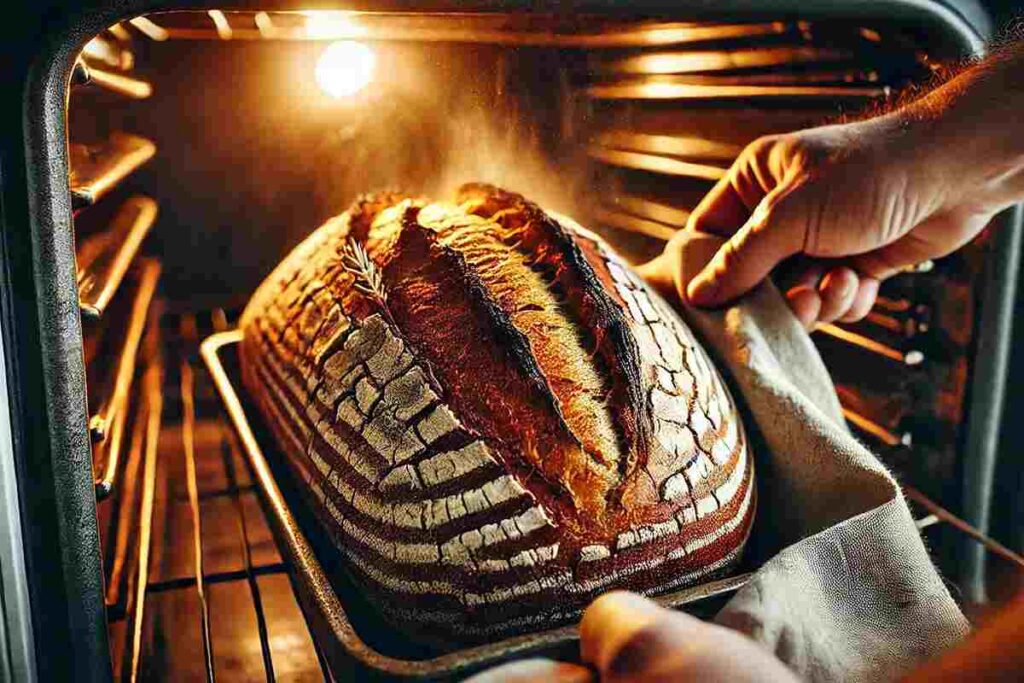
(702, 290)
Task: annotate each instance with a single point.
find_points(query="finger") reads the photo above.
(747, 257)
(863, 301)
(838, 289)
(627, 637)
(529, 670)
(610, 622)
(799, 271)
(805, 302)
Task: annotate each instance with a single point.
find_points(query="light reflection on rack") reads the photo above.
(669, 216)
(124, 85)
(723, 60)
(623, 221)
(220, 22)
(149, 28)
(655, 164)
(671, 145)
(912, 357)
(668, 90)
(876, 430)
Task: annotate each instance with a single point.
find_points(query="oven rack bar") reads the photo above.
(710, 61)
(129, 86)
(942, 515)
(104, 257)
(106, 426)
(673, 89)
(95, 171)
(685, 146)
(655, 163)
(838, 77)
(620, 220)
(879, 432)
(911, 357)
(243, 25)
(138, 581)
(188, 417)
(124, 522)
(641, 207)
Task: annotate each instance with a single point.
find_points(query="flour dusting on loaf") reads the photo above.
(513, 425)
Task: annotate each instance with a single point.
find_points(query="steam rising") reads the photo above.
(430, 127)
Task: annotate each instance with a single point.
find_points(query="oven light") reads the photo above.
(345, 68)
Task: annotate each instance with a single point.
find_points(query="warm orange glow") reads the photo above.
(345, 68)
(331, 25)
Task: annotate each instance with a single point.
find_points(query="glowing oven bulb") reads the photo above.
(345, 68)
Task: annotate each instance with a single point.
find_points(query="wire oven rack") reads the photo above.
(235, 587)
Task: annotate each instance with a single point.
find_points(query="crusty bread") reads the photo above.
(496, 419)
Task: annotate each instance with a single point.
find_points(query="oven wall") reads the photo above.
(253, 156)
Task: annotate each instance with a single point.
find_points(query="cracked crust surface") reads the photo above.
(523, 413)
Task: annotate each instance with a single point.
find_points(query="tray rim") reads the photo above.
(322, 607)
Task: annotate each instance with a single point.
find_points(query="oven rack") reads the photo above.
(129, 86)
(97, 170)
(524, 31)
(104, 257)
(221, 575)
(108, 424)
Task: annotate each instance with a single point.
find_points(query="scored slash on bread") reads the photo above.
(515, 408)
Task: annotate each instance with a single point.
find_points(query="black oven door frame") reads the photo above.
(63, 635)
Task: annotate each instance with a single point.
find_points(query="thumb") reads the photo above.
(749, 255)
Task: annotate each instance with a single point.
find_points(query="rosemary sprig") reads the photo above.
(369, 281)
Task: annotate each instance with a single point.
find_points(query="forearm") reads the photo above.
(969, 133)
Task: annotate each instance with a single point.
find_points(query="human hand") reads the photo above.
(627, 638)
(855, 203)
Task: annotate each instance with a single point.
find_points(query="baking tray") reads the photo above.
(344, 624)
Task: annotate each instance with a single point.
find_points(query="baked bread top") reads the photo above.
(485, 387)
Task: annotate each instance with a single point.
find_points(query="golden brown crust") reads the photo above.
(516, 408)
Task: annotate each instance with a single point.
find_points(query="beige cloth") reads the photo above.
(848, 592)
(845, 590)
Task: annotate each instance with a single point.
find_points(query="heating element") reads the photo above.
(202, 144)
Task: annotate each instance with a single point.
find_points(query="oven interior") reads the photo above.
(204, 144)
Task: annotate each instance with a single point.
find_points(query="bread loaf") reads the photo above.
(495, 418)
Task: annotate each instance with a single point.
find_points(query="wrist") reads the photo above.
(966, 138)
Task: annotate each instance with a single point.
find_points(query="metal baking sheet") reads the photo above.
(333, 606)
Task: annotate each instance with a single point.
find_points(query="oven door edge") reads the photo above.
(17, 648)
